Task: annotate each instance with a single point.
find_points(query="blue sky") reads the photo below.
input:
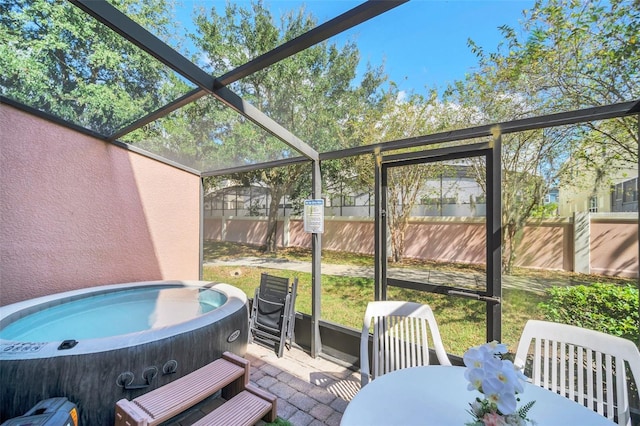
(423, 43)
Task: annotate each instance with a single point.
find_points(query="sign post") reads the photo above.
(314, 216)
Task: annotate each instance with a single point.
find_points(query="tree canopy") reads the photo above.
(312, 94)
(55, 59)
(568, 54)
(572, 55)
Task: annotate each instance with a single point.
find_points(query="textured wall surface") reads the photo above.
(549, 244)
(78, 212)
(546, 246)
(614, 248)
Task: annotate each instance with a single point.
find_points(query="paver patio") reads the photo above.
(311, 392)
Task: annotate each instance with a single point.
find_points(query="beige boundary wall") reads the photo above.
(79, 212)
(611, 241)
(614, 246)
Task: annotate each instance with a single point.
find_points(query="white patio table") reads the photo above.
(438, 395)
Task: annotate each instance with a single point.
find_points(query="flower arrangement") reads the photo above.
(500, 382)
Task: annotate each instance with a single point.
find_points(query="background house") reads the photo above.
(624, 196)
(613, 193)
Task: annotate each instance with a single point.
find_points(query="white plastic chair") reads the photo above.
(399, 338)
(586, 366)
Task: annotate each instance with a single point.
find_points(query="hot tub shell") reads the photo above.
(93, 373)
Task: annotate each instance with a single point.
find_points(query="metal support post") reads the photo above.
(380, 221)
(201, 242)
(494, 236)
(316, 274)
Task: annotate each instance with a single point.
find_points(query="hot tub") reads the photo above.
(95, 368)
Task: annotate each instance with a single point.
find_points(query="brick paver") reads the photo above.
(310, 391)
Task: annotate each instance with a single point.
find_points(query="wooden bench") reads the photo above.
(245, 404)
(244, 409)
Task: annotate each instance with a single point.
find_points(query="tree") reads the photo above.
(532, 161)
(312, 94)
(404, 185)
(57, 60)
(278, 183)
(398, 116)
(580, 54)
(572, 55)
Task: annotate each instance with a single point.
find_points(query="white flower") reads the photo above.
(496, 347)
(512, 376)
(499, 380)
(501, 395)
(475, 357)
(475, 376)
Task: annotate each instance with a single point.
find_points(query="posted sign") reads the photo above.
(314, 216)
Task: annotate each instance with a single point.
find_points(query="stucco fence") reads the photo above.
(605, 244)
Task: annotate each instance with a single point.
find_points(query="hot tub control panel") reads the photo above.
(21, 347)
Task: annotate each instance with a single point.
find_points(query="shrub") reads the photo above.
(609, 308)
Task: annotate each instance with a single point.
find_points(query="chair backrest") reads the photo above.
(400, 338)
(273, 317)
(272, 300)
(586, 366)
(274, 289)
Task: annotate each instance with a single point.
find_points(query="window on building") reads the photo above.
(630, 191)
(618, 193)
(593, 205)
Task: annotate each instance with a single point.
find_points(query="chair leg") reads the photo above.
(291, 333)
(252, 316)
(283, 337)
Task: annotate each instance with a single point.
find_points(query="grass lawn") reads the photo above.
(226, 250)
(344, 299)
